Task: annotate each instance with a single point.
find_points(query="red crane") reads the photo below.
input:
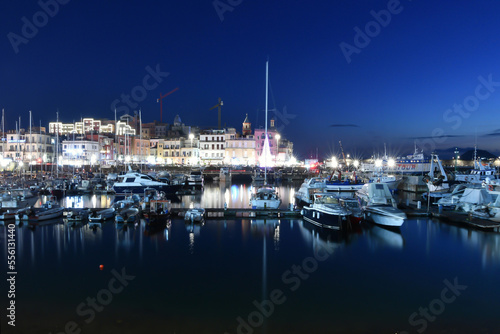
(161, 102)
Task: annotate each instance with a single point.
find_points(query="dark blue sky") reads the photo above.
(396, 87)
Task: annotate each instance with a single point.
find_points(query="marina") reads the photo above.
(227, 263)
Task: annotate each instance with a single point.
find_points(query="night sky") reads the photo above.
(363, 72)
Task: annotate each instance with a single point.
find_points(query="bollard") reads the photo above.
(407, 202)
(440, 208)
(291, 206)
(419, 205)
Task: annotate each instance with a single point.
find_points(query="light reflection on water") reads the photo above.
(403, 268)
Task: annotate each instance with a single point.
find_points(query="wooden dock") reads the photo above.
(218, 213)
(453, 217)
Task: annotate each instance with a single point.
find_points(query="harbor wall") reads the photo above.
(412, 184)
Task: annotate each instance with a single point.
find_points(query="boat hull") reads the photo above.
(387, 216)
(324, 219)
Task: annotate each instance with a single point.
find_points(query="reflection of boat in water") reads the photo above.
(156, 227)
(325, 239)
(33, 223)
(380, 236)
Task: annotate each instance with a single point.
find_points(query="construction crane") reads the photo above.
(218, 105)
(161, 102)
(343, 155)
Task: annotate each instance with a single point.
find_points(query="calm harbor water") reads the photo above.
(253, 276)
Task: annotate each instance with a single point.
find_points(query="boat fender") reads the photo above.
(490, 187)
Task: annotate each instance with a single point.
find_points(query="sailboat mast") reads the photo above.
(31, 150)
(57, 145)
(265, 140)
(140, 138)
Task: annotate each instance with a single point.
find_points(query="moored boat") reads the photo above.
(326, 211)
(378, 205)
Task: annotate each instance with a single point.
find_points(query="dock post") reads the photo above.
(419, 205)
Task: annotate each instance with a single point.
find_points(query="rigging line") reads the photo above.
(272, 96)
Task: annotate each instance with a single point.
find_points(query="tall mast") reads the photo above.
(31, 150)
(57, 145)
(265, 140)
(140, 138)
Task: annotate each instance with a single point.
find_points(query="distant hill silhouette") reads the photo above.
(469, 155)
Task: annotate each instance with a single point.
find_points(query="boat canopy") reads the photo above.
(476, 196)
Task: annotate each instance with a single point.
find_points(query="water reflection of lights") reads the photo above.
(291, 196)
(194, 231)
(235, 192)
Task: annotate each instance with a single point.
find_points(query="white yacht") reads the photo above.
(378, 205)
(135, 183)
(305, 194)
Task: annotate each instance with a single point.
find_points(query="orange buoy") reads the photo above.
(101, 267)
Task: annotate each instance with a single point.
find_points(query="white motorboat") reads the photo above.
(17, 199)
(474, 199)
(345, 185)
(78, 215)
(195, 179)
(378, 205)
(305, 194)
(391, 180)
(135, 183)
(195, 215)
(326, 211)
(127, 215)
(450, 200)
(101, 215)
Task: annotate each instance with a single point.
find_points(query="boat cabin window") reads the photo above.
(327, 200)
(130, 179)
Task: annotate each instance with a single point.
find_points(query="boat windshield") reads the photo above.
(322, 199)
